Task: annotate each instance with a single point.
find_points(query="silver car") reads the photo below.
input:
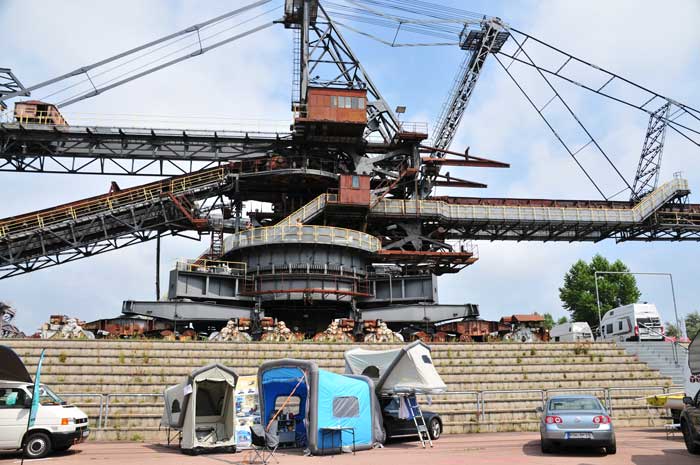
(576, 421)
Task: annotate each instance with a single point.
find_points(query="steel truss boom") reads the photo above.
(479, 44)
(127, 151)
(82, 229)
(194, 29)
(663, 111)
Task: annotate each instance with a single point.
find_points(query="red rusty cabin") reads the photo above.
(354, 190)
(334, 112)
(38, 112)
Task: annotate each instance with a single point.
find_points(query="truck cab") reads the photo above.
(58, 426)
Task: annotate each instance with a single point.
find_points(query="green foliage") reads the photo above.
(578, 292)
(562, 320)
(548, 320)
(672, 330)
(692, 324)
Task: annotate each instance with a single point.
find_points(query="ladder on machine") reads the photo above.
(419, 420)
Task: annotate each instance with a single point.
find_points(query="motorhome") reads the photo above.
(571, 332)
(57, 427)
(634, 322)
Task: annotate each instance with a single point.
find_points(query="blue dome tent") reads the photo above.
(324, 402)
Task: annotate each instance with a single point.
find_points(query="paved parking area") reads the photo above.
(635, 446)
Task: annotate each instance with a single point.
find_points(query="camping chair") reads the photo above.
(265, 442)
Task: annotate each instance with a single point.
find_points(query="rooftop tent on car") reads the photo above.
(203, 408)
(406, 370)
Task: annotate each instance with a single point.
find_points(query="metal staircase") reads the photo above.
(305, 213)
(668, 359)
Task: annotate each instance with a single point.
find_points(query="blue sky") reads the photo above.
(251, 79)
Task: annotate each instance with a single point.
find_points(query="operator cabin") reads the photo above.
(332, 115)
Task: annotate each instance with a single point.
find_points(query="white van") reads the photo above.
(634, 322)
(57, 427)
(571, 332)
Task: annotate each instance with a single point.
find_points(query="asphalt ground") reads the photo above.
(634, 446)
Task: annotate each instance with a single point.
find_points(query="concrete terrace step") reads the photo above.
(125, 368)
(152, 369)
(136, 378)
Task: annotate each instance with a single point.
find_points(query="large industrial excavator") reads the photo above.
(355, 231)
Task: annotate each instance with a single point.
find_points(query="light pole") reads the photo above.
(673, 294)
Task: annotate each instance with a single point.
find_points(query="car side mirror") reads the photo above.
(27, 403)
(688, 400)
(539, 409)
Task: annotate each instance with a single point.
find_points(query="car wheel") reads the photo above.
(611, 448)
(387, 435)
(38, 446)
(688, 438)
(546, 446)
(434, 429)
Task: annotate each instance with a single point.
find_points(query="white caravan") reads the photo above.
(571, 332)
(634, 322)
(57, 427)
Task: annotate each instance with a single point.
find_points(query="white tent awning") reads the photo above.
(409, 369)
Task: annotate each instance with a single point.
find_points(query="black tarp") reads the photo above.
(11, 366)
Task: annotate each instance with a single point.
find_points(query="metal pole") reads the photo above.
(158, 267)
(675, 309)
(597, 298)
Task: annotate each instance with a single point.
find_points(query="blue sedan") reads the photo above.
(576, 421)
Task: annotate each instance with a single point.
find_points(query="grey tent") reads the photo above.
(11, 366)
(408, 370)
(203, 409)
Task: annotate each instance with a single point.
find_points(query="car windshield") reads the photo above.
(574, 403)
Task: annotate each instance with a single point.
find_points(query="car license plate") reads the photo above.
(578, 436)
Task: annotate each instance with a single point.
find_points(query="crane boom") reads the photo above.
(478, 43)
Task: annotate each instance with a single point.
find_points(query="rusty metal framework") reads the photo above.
(298, 253)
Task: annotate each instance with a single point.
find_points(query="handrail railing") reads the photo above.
(480, 397)
(110, 202)
(211, 266)
(675, 343)
(611, 215)
(303, 234)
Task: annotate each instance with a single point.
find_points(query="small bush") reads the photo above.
(533, 351)
(62, 357)
(519, 360)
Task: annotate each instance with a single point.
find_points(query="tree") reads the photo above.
(672, 330)
(578, 292)
(562, 320)
(692, 324)
(548, 321)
